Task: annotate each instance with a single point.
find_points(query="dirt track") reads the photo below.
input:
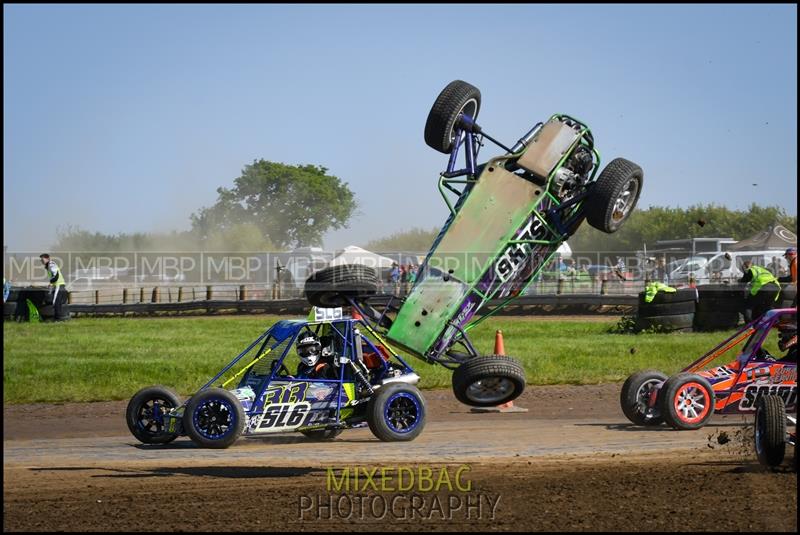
(571, 463)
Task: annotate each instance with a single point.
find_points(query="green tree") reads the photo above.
(293, 205)
(416, 240)
(646, 226)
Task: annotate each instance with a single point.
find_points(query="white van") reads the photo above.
(709, 268)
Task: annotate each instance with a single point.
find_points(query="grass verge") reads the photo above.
(94, 359)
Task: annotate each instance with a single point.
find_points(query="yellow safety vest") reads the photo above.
(60, 281)
(653, 288)
(761, 277)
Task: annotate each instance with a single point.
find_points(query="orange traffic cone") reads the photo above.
(499, 349)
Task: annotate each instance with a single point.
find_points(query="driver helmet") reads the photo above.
(309, 348)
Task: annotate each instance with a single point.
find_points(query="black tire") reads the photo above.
(396, 413)
(681, 295)
(666, 309)
(770, 430)
(457, 97)
(614, 195)
(715, 321)
(146, 426)
(213, 418)
(679, 389)
(673, 322)
(634, 397)
(488, 381)
(329, 287)
(322, 435)
(721, 292)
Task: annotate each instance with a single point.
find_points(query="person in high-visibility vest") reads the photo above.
(791, 256)
(57, 283)
(651, 288)
(758, 300)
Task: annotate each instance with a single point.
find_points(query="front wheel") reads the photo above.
(213, 418)
(686, 401)
(770, 431)
(488, 381)
(614, 195)
(457, 98)
(396, 412)
(145, 414)
(639, 396)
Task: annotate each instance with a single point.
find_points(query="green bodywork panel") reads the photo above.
(499, 203)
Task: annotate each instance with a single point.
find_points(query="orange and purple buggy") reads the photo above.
(688, 399)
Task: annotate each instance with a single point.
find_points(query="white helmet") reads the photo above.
(309, 348)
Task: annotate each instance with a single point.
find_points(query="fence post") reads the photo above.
(242, 293)
(156, 295)
(124, 296)
(141, 295)
(603, 289)
(274, 290)
(97, 297)
(208, 293)
(180, 294)
(560, 288)
(69, 298)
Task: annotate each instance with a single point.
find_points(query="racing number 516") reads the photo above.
(284, 415)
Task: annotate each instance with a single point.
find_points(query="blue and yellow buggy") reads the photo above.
(260, 392)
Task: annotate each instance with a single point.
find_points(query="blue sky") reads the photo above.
(125, 118)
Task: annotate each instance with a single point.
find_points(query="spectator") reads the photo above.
(660, 271)
(57, 284)
(412, 274)
(791, 256)
(6, 289)
(394, 278)
(775, 266)
(403, 279)
(758, 300)
(619, 268)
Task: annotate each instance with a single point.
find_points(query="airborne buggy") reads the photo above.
(510, 215)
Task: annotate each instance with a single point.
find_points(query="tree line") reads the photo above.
(271, 207)
(274, 207)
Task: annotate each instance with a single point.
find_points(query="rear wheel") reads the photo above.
(488, 381)
(639, 395)
(614, 195)
(686, 401)
(330, 287)
(213, 418)
(145, 414)
(770, 431)
(456, 98)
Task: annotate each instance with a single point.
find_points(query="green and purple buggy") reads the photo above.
(507, 218)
